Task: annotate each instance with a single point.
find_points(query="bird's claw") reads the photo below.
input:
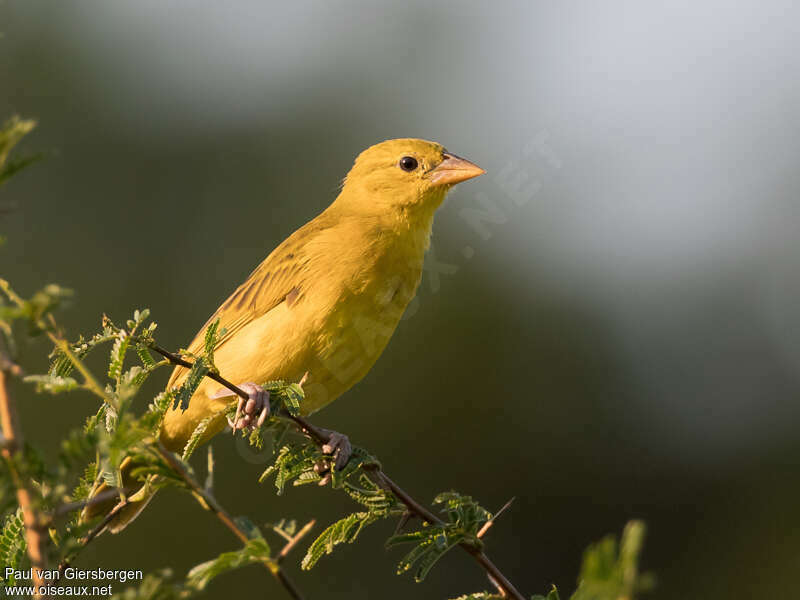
(339, 449)
(250, 413)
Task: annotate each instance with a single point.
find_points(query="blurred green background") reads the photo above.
(619, 338)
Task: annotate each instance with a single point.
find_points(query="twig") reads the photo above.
(97, 530)
(480, 557)
(101, 497)
(295, 540)
(281, 575)
(412, 505)
(89, 379)
(482, 531)
(48, 325)
(222, 515)
(177, 360)
(36, 535)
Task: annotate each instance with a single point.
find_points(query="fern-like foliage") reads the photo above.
(293, 462)
(256, 550)
(210, 342)
(62, 365)
(114, 434)
(344, 530)
(53, 384)
(31, 311)
(197, 436)
(199, 370)
(158, 586)
(121, 342)
(85, 483)
(464, 518)
(12, 545)
(285, 395)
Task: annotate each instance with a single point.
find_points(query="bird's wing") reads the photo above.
(280, 277)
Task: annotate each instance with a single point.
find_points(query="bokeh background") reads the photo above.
(617, 336)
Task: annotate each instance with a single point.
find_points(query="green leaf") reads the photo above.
(285, 395)
(293, 395)
(367, 492)
(144, 355)
(118, 351)
(464, 518)
(94, 421)
(12, 545)
(15, 165)
(54, 384)
(196, 437)
(210, 342)
(61, 363)
(436, 542)
(285, 529)
(32, 310)
(551, 595)
(345, 530)
(611, 571)
(292, 461)
(193, 380)
(256, 550)
(86, 482)
(11, 133)
(162, 402)
(249, 528)
(140, 316)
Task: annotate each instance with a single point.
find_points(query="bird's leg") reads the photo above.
(250, 413)
(338, 448)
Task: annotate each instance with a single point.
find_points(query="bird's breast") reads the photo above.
(357, 322)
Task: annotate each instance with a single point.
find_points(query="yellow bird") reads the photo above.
(326, 301)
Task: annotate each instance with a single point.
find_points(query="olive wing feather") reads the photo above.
(280, 275)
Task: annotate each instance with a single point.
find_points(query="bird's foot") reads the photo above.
(339, 450)
(250, 413)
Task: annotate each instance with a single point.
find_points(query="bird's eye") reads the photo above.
(408, 163)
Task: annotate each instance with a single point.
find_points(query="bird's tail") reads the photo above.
(124, 512)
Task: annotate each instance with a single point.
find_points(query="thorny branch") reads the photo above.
(505, 586)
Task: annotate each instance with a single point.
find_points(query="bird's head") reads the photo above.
(409, 175)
